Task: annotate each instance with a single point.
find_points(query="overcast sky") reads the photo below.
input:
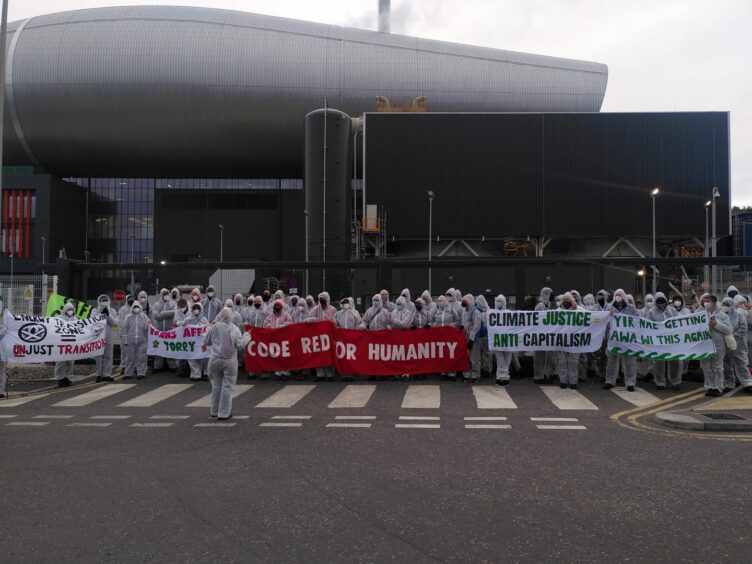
(662, 55)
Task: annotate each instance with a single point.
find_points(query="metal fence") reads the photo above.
(27, 294)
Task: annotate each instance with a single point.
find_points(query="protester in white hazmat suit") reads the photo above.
(628, 364)
(163, 317)
(735, 362)
(277, 319)
(212, 306)
(472, 323)
(503, 358)
(3, 332)
(104, 362)
(135, 327)
(377, 317)
(444, 317)
(661, 311)
(195, 317)
(430, 304)
(64, 368)
(323, 311)
(121, 315)
(402, 318)
(347, 318)
(225, 340)
(720, 327)
(540, 358)
(567, 363)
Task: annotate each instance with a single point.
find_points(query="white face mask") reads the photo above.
(725, 309)
(345, 306)
(70, 313)
(136, 310)
(195, 297)
(210, 294)
(619, 299)
(677, 303)
(142, 300)
(301, 307)
(707, 305)
(166, 298)
(499, 305)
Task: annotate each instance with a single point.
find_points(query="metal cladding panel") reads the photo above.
(485, 172)
(165, 90)
(553, 175)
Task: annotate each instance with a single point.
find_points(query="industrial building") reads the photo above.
(136, 132)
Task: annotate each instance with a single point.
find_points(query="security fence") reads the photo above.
(27, 294)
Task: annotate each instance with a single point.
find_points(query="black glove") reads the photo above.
(106, 312)
(470, 345)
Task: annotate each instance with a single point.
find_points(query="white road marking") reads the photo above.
(554, 419)
(287, 396)
(563, 427)
(28, 423)
(493, 398)
(152, 424)
(353, 396)
(291, 416)
(94, 395)
(15, 402)
(155, 396)
(169, 417)
(639, 397)
(418, 418)
(349, 425)
(217, 424)
(206, 400)
(88, 424)
(485, 418)
(486, 426)
(7, 416)
(568, 399)
(281, 425)
(416, 426)
(53, 417)
(241, 416)
(350, 417)
(110, 417)
(422, 397)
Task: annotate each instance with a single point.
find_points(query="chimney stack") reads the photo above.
(384, 16)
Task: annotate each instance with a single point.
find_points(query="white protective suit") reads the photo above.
(195, 317)
(377, 317)
(503, 358)
(135, 328)
(64, 368)
(735, 363)
(225, 340)
(541, 360)
(323, 311)
(628, 364)
(472, 323)
(104, 362)
(661, 311)
(567, 363)
(163, 318)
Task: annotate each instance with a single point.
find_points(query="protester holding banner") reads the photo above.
(255, 317)
(347, 318)
(445, 316)
(323, 311)
(541, 361)
(225, 340)
(472, 323)
(143, 299)
(299, 312)
(104, 362)
(422, 318)
(212, 306)
(163, 316)
(503, 358)
(628, 364)
(402, 319)
(377, 317)
(387, 304)
(430, 305)
(122, 314)
(3, 331)
(195, 318)
(277, 319)
(720, 328)
(735, 362)
(567, 363)
(661, 311)
(135, 328)
(64, 368)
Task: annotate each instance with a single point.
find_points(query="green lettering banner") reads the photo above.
(685, 337)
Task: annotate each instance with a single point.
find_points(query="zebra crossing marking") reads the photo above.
(562, 427)
(287, 396)
(485, 418)
(353, 396)
(94, 395)
(115, 417)
(155, 396)
(90, 424)
(568, 399)
(493, 398)
(215, 424)
(303, 417)
(169, 417)
(349, 425)
(205, 401)
(152, 424)
(639, 397)
(422, 397)
(15, 402)
(27, 423)
(487, 426)
(416, 426)
(355, 417)
(268, 424)
(53, 417)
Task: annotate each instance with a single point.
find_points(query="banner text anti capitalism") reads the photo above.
(677, 338)
(372, 353)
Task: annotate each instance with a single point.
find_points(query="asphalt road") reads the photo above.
(123, 492)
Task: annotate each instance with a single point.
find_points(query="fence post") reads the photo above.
(44, 295)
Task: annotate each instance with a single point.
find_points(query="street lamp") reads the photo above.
(44, 243)
(716, 194)
(133, 284)
(430, 235)
(706, 269)
(221, 256)
(654, 195)
(641, 274)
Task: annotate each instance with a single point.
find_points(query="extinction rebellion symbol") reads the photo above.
(32, 332)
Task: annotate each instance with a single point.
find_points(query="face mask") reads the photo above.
(237, 302)
(175, 296)
(464, 304)
(195, 298)
(265, 297)
(185, 310)
(310, 304)
(322, 302)
(257, 306)
(210, 294)
(104, 305)
(725, 309)
(374, 303)
(707, 305)
(677, 303)
(732, 294)
(566, 305)
(130, 303)
(301, 307)
(499, 305)
(441, 305)
(450, 298)
(418, 307)
(384, 298)
(277, 310)
(196, 312)
(142, 300)
(166, 298)
(601, 301)
(405, 296)
(619, 299)
(649, 303)
(661, 304)
(400, 307)
(346, 306)
(137, 310)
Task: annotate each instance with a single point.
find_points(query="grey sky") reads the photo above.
(663, 55)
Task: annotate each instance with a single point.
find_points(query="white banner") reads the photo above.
(686, 337)
(575, 331)
(33, 338)
(182, 343)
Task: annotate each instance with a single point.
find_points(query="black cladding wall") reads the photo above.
(552, 175)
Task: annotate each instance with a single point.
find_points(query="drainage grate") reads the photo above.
(725, 416)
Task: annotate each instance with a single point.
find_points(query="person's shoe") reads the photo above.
(716, 393)
(2, 395)
(319, 379)
(572, 386)
(498, 382)
(127, 377)
(330, 378)
(64, 383)
(676, 387)
(607, 386)
(347, 378)
(212, 416)
(563, 386)
(205, 378)
(98, 379)
(727, 390)
(504, 383)
(264, 377)
(748, 390)
(224, 418)
(630, 388)
(141, 377)
(660, 387)
(196, 379)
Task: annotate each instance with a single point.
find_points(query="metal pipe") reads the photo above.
(133, 284)
(384, 16)
(323, 203)
(363, 196)
(221, 259)
(44, 242)
(653, 195)
(306, 251)
(706, 251)
(3, 33)
(716, 194)
(430, 236)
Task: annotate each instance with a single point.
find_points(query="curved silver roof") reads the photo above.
(163, 90)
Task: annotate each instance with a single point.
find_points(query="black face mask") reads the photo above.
(237, 302)
(277, 310)
(257, 306)
(661, 304)
(601, 301)
(323, 302)
(732, 294)
(265, 297)
(418, 307)
(566, 305)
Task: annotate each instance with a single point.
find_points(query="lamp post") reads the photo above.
(221, 257)
(706, 269)
(430, 236)
(716, 194)
(306, 251)
(133, 284)
(654, 195)
(44, 244)
(641, 274)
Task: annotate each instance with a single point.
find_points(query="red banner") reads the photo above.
(366, 353)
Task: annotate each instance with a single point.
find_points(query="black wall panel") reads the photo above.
(553, 175)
